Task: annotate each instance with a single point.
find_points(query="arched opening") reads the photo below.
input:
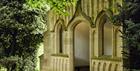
(107, 39)
(105, 34)
(58, 30)
(61, 39)
(81, 47)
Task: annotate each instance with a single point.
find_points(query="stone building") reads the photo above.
(86, 40)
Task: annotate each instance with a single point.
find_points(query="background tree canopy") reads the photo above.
(129, 17)
(22, 23)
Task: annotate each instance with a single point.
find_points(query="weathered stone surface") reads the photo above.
(94, 14)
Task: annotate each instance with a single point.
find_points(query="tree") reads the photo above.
(22, 23)
(129, 17)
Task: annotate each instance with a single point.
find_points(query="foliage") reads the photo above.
(58, 6)
(129, 17)
(22, 23)
(18, 36)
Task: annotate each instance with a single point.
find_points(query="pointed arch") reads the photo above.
(101, 22)
(59, 22)
(78, 20)
(71, 29)
(101, 17)
(79, 16)
(58, 30)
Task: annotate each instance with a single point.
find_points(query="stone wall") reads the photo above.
(93, 13)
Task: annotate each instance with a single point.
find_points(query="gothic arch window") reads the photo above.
(107, 34)
(60, 39)
(59, 30)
